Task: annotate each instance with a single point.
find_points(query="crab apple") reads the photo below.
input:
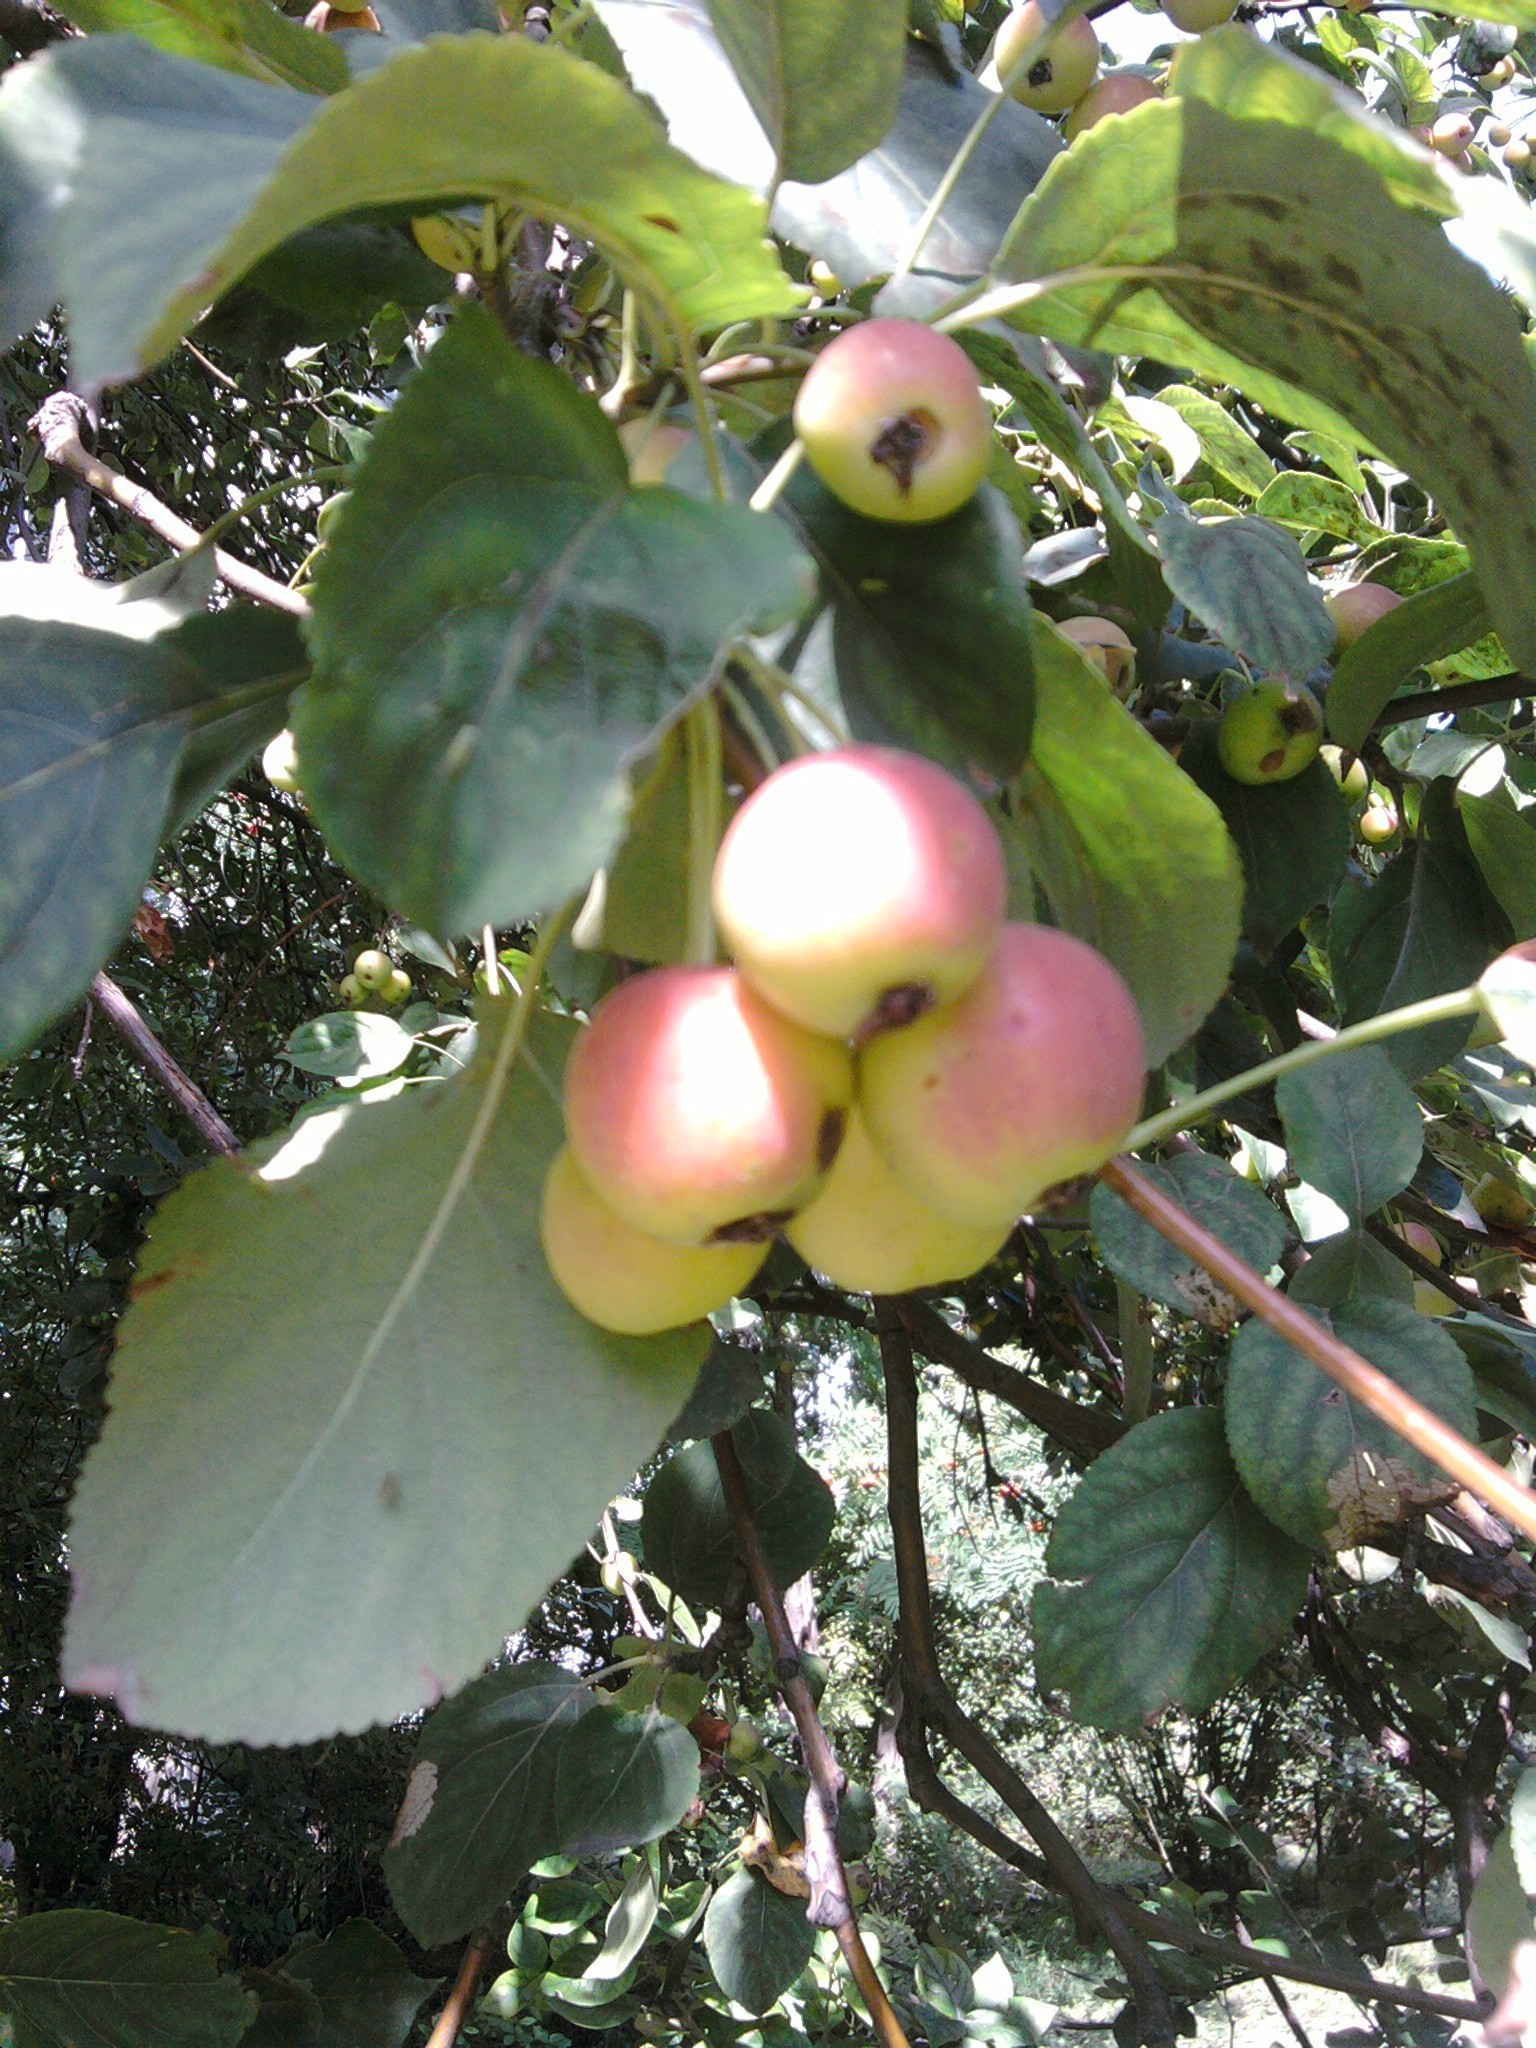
(1357, 607)
(398, 986)
(373, 969)
(1353, 781)
(857, 888)
(892, 420)
(619, 1277)
(1420, 1238)
(1430, 1300)
(870, 1234)
(1451, 135)
(1195, 16)
(698, 1112)
(280, 763)
(351, 991)
(1269, 732)
(744, 1742)
(1107, 646)
(1032, 1077)
(1518, 154)
(1063, 67)
(652, 446)
(1500, 1204)
(1117, 92)
(1497, 134)
(1377, 823)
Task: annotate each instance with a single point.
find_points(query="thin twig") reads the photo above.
(1385, 1399)
(1084, 1431)
(194, 1105)
(465, 1985)
(829, 1903)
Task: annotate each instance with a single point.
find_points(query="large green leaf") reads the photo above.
(622, 1778)
(1499, 1916)
(1350, 1263)
(1168, 1582)
(928, 645)
(367, 1993)
(1424, 627)
(1293, 837)
(1503, 842)
(757, 1940)
(501, 629)
(246, 36)
(1352, 1128)
(1247, 581)
(1260, 229)
(1320, 1466)
(822, 80)
(74, 1977)
(1126, 852)
(1244, 1219)
(179, 179)
(479, 1807)
(687, 1531)
(390, 1354)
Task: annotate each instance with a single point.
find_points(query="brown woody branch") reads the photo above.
(829, 1905)
(928, 1699)
(1457, 697)
(57, 425)
(1440, 1443)
(194, 1105)
(1084, 1431)
(453, 2015)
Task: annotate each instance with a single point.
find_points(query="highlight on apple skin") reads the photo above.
(1117, 92)
(1356, 608)
(870, 1234)
(1032, 1077)
(623, 1279)
(858, 888)
(892, 420)
(1062, 71)
(698, 1112)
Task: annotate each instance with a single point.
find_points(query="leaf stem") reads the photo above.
(1373, 1389)
(688, 364)
(702, 734)
(768, 492)
(236, 513)
(1464, 1002)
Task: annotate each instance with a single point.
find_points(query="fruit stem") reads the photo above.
(702, 732)
(1464, 1002)
(768, 492)
(1438, 1442)
(215, 533)
(688, 365)
(616, 397)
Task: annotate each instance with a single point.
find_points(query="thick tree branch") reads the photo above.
(194, 1105)
(928, 1692)
(829, 1903)
(1385, 1399)
(57, 425)
(1457, 697)
(1084, 1431)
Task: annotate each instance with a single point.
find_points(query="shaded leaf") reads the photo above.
(622, 1779)
(1247, 581)
(246, 36)
(77, 1976)
(757, 1940)
(1166, 1582)
(367, 1993)
(822, 80)
(1503, 842)
(1352, 1128)
(1498, 1915)
(1350, 1264)
(1231, 1208)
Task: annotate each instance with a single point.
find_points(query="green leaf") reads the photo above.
(349, 1045)
(1522, 1829)
(1503, 1372)
(248, 660)
(177, 183)
(246, 36)
(502, 628)
(71, 1977)
(1509, 996)
(822, 80)
(479, 1806)
(630, 1920)
(1233, 454)
(686, 1528)
(757, 1940)
(1503, 842)
(622, 1779)
(1317, 504)
(1498, 1915)
(1247, 581)
(1235, 1211)
(353, 1304)
(642, 913)
(367, 1993)
(1293, 837)
(1169, 1583)
(1427, 626)
(1352, 1128)
(929, 641)
(1126, 852)
(1259, 228)
(1350, 1264)
(1321, 1467)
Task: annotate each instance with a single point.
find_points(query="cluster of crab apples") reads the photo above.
(1054, 66)
(889, 1074)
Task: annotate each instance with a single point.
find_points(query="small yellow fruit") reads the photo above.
(1496, 134)
(1108, 647)
(1353, 780)
(1501, 1204)
(1377, 823)
(1429, 1300)
(397, 988)
(1420, 1238)
(1117, 92)
(1451, 135)
(372, 969)
(1269, 732)
(652, 446)
(1518, 154)
(1196, 16)
(450, 243)
(280, 764)
(825, 279)
(351, 991)
(1356, 608)
(623, 1280)
(1061, 71)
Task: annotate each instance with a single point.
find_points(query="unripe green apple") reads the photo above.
(1377, 823)
(698, 1112)
(825, 278)
(280, 763)
(351, 991)
(623, 1279)
(398, 986)
(1117, 92)
(1032, 1077)
(858, 888)
(743, 1743)
(1195, 16)
(1500, 1204)
(1353, 780)
(870, 1234)
(372, 969)
(1269, 732)
(892, 420)
(446, 240)
(1108, 647)
(1356, 608)
(1451, 135)
(1063, 68)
